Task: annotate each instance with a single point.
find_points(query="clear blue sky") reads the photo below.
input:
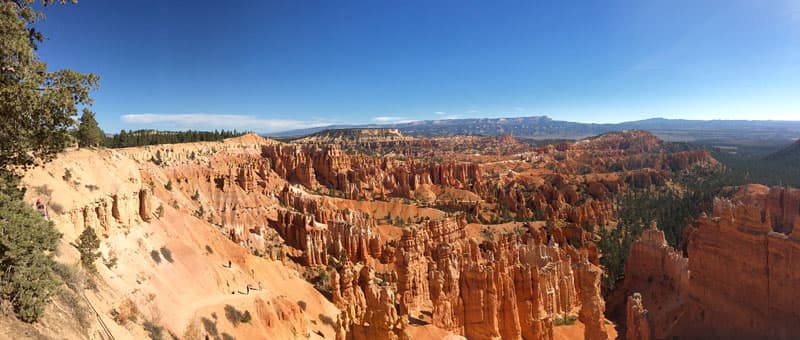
(265, 66)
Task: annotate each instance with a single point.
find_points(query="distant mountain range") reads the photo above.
(722, 132)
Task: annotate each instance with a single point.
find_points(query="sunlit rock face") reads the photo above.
(739, 280)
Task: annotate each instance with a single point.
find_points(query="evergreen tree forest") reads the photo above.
(671, 208)
(126, 139)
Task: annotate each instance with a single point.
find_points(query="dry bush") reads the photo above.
(126, 312)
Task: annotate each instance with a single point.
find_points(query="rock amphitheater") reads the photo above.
(391, 237)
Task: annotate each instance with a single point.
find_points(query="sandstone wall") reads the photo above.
(744, 277)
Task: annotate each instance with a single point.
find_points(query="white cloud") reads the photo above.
(392, 119)
(209, 121)
(447, 115)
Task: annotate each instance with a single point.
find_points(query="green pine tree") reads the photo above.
(88, 244)
(37, 107)
(89, 132)
(37, 104)
(27, 243)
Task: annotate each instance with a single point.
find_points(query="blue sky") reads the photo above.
(271, 66)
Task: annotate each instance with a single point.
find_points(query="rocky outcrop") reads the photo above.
(357, 176)
(743, 277)
(738, 282)
(658, 276)
(593, 306)
(320, 231)
(652, 259)
(145, 205)
(637, 324)
(368, 311)
(508, 288)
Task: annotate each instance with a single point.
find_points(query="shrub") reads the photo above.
(235, 316)
(210, 326)
(302, 305)
(156, 256)
(160, 211)
(199, 212)
(73, 301)
(126, 312)
(167, 254)
(327, 320)
(155, 332)
(71, 275)
(168, 186)
(58, 208)
(226, 336)
(209, 250)
(88, 244)
(112, 262)
(196, 195)
(43, 190)
(27, 245)
(67, 175)
(565, 320)
(91, 187)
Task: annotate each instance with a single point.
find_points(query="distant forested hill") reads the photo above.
(705, 132)
(126, 139)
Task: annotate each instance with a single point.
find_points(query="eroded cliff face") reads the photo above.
(743, 276)
(391, 229)
(739, 280)
(656, 279)
(361, 176)
(162, 260)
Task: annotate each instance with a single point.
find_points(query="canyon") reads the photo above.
(376, 235)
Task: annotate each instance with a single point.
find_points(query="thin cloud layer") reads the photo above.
(208, 121)
(392, 120)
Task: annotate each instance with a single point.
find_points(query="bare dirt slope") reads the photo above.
(171, 265)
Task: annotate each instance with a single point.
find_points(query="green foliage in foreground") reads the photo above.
(37, 105)
(27, 243)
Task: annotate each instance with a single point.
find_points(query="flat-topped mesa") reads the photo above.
(363, 136)
(186, 153)
(637, 141)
